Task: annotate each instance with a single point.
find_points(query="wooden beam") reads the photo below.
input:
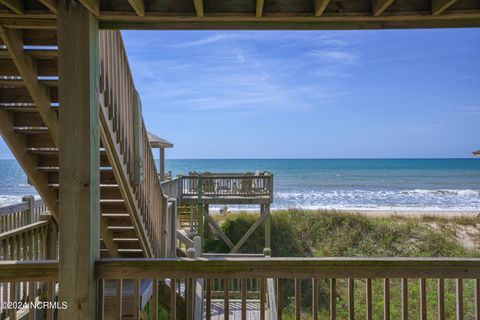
(138, 6)
(199, 7)
(289, 268)
(16, 6)
(92, 5)
(249, 232)
(379, 6)
(18, 145)
(79, 177)
(27, 69)
(218, 230)
(439, 6)
(50, 4)
(107, 238)
(112, 149)
(259, 8)
(320, 6)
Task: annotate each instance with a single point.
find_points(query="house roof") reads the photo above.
(157, 142)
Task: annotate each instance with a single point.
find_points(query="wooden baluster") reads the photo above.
(190, 296)
(12, 248)
(173, 299)
(404, 299)
(31, 299)
(136, 299)
(298, 302)
(35, 245)
(50, 298)
(24, 246)
(119, 297)
(477, 299)
(3, 250)
(386, 299)
(101, 296)
(315, 283)
(368, 294)
(243, 286)
(459, 294)
(18, 244)
(12, 313)
(441, 299)
(226, 298)
(423, 299)
(279, 298)
(351, 299)
(262, 298)
(333, 300)
(208, 304)
(31, 244)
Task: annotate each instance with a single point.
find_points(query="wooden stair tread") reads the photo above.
(15, 83)
(31, 129)
(37, 53)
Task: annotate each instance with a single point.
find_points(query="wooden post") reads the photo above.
(52, 237)
(30, 201)
(267, 251)
(172, 249)
(79, 159)
(162, 164)
(206, 227)
(201, 225)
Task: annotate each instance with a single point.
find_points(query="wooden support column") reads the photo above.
(201, 221)
(79, 159)
(162, 164)
(268, 249)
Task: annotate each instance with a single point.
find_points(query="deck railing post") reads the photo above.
(30, 200)
(201, 225)
(172, 252)
(52, 237)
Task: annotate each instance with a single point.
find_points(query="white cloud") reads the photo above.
(467, 110)
(334, 56)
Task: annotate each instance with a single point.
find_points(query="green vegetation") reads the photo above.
(298, 233)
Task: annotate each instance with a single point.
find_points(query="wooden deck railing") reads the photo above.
(25, 243)
(126, 140)
(27, 231)
(21, 214)
(173, 188)
(28, 282)
(228, 185)
(314, 288)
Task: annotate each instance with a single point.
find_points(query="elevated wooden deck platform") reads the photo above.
(70, 113)
(255, 14)
(221, 188)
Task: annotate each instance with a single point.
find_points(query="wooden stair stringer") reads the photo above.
(112, 149)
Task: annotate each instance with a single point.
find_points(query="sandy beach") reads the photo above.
(416, 213)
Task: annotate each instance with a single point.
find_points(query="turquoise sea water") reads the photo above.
(421, 184)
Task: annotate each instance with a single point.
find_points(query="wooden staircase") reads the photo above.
(187, 216)
(131, 210)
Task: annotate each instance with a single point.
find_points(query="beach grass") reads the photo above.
(300, 233)
(303, 233)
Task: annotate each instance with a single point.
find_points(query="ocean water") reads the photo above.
(366, 184)
(362, 184)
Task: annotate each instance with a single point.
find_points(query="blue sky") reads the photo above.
(309, 94)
